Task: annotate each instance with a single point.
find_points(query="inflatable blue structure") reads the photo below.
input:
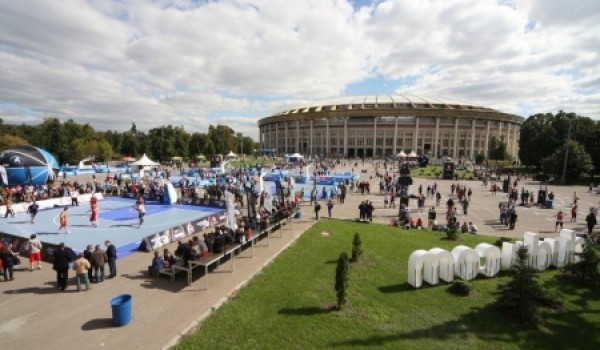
(27, 165)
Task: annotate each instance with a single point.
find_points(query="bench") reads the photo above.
(173, 269)
(206, 261)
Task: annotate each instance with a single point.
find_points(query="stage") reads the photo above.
(118, 223)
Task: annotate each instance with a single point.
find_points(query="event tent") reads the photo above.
(296, 157)
(230, 155)
(401, 154)
(144, 161)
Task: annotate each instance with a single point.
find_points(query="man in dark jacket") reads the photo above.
(62, 258)
(111, 254)
(591, 221)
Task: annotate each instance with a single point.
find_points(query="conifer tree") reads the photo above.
(341, 280)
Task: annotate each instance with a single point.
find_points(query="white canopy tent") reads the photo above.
(230, 155)
(144, 161)
(412, 155)
(296, 157)
(401, 155)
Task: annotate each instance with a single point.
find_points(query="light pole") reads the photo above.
(563, 179)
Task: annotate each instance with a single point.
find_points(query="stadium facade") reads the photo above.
(370, 126)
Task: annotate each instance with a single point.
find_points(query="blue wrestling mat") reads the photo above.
(118, 222)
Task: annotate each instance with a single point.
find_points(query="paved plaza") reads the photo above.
(37, 315)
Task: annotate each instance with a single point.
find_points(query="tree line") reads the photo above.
(546, 137)
(71, 142)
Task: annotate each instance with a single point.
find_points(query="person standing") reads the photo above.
(591, 221)
(329, 207)
(141, 209)
(317, 209)
(62, 259)
(95, 211)
(560, 217)
(64, 221)
(111, 254)
(574, 212)
(33, 210)
(81, 267)
(34, 248)
(9, 208)
(99, 259)
(88, 254)
(431, 216)
(74, 197)
(8, 262)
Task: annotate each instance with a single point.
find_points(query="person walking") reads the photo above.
(33, 210)
(64, 221)
(329, 207)
(81, 267)
(111, 254)
(8, 258)
(140, 206)
(560, 217)
(88, 254)
(95, 211)
(591, 221)
(99, 259)
(34, 248)
(62, 258)
(317, 209)
(9, 208)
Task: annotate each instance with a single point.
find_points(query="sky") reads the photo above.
(194, 63)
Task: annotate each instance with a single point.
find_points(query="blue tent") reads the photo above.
(27, 165)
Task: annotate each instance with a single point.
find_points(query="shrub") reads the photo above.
(460, 287)
(501, 240)
(521, 297)
(452, 233)
(356, 247)
(585, 271)
(341, 280)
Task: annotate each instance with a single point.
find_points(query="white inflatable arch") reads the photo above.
(445, 264)
(416, 263)
(466, 262)
(492, 257)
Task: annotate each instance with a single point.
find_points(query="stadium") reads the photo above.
(375, 126)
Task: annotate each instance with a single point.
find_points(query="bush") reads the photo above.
(585, 271)
(460, 287)
(341, 280)
(452, 233)
(501, 240)
(356, 247)
(521, 297)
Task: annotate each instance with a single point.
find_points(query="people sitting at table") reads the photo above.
(168, 258)
(157, 265)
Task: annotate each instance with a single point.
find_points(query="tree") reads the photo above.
(498, 150)
(356, 247)
(222, 138)
(538, 139)
(479, 158)
(585, 271)
(578, 162)
(520, 297)
(9, 141)
(341, 280)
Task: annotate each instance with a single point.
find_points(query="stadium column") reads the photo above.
(437, 138)
(487, 140)
(416, 138)
(261, 140)
(286, 137)
(298, 137)
(311, 137)
(327, 137)
(515, 143)
(472, 153)
(345, 136)
(455, 151)
(500, 131)
(508, 145)
(276, 136)
(395, 137)
(374, 137)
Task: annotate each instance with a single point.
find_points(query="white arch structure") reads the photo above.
(486, 259)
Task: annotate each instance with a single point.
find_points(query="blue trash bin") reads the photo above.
(298, 215)
(548, 204)
(121, 310)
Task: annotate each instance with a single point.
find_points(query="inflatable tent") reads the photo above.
(27, 165)
(296, 157)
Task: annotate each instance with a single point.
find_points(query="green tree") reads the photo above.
(9, 141)
(222, 138)
(578, 162)
(498, 149)
(585, 271)
(538, 139)
(479, 158)
(520, 297)
(341, 280)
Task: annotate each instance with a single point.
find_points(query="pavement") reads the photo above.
(36, 314)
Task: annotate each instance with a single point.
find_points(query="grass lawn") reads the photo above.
(291, 304)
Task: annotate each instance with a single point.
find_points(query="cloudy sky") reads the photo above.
(193, 63)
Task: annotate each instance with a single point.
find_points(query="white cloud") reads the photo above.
(195, 63)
